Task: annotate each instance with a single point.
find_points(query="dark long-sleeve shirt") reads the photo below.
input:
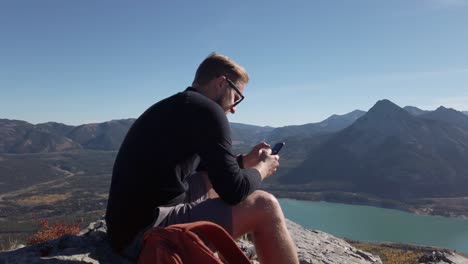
(161, 149)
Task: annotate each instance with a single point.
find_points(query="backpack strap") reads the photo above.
(221, 239)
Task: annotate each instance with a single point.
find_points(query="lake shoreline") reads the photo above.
(454, 207)
(399, 252)
(378, 226)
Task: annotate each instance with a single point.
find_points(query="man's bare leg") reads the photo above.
(261, 215)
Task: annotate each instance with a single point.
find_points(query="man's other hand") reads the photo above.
(268, 163)
(251, 159)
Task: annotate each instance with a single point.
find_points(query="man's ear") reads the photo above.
(219, 83)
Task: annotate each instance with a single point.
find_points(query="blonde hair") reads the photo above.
(217, 65)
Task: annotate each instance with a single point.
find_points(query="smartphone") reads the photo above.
(277, 148)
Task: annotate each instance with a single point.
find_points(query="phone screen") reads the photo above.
(277, 148)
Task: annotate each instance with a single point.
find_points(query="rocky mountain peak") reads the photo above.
(387, 108)
(442, 109)
(448, 116)
(387, 118)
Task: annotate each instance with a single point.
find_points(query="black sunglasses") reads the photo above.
(233, 86)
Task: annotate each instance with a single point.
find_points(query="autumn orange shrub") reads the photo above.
(48, 231)
(391, 255)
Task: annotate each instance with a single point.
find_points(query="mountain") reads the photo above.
(54, 128)
(449, 116)
(248, 134)
(414, 110)
(101, 136)
(465, 112)
(12, 133)
(390, 153)
(332, 124)
(22, 137)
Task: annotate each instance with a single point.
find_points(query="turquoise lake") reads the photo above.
(374, 224)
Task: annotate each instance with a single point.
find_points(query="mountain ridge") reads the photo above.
(414, 110)
(331, 124)
(391, 153)
(449, 116)
(17, 136)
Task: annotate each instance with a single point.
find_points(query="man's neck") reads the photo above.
(205, 90)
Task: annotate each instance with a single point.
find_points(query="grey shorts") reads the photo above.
(196, 207)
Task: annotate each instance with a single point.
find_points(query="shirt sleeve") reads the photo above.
(232, 183)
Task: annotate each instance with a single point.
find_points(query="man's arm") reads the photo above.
(259, 158)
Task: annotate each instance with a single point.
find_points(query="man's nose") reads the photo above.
(233, 110)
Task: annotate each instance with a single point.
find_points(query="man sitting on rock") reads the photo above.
(155, 183)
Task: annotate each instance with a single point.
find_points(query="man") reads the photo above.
(155, 183)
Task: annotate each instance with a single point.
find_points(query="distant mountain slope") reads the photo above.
(449, 116)
(390, 153)
(248, 134)
(101, 136)
(22, 137)
(36, 141)
(332, 124)
(12, 133)
(54, 128)
(465, 112)
(414, 110)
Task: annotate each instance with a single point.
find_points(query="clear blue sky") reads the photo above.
(83, 61)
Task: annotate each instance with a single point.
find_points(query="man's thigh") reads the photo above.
(197, 206)
(213, 210)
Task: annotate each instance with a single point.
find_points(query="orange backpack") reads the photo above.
(181, 244)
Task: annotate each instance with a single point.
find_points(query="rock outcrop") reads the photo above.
(319, 247)
(442, 257)
(91, 246)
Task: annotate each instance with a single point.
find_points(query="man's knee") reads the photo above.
(266, 202)
(260, 209)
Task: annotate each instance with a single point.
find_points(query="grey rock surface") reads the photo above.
(442, 257)
(91, 246)
(319, 247)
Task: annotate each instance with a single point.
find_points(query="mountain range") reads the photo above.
(388, 151)
(393, 153)
(21, 137)
(18, 136)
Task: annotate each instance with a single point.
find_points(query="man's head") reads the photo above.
(221, 79)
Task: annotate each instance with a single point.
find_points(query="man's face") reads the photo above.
(229, 96)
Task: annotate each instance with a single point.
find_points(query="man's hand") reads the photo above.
(260, 158)
(268, 163)
(251, 159)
